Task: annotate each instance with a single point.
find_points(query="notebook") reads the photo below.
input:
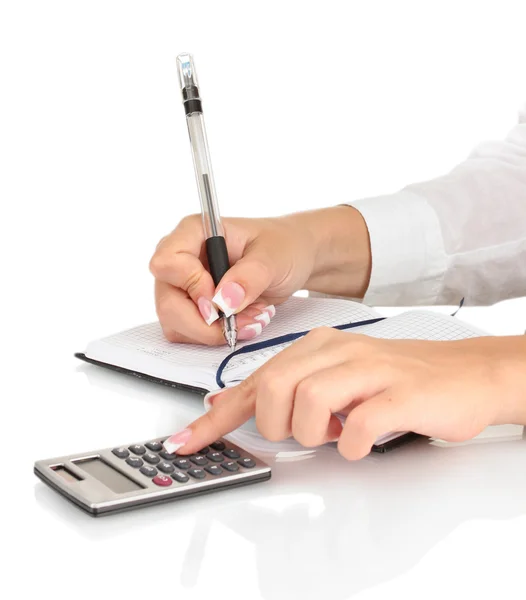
(144, 352)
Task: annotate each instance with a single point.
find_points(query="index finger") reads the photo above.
(237, 406)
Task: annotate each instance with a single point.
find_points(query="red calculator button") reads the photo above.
(162, 480)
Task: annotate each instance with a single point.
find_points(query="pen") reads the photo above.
(215, 240)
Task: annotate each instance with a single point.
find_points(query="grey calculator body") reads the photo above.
(101, 482)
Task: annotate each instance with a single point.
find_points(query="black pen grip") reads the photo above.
(217, 255)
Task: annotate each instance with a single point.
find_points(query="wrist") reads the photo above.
(341, 250)
(511, 368)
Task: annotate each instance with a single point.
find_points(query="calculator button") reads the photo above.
(121, 452)
(247, 463)
(231, 453)
(215, 456)
(154, 446)
(137, 449)
(214, 469)
(203, 450)
(230, 466)
(197, 473)
(148, 471)
(167, 455)
(162, 480)
(180, 477)
(199, 460)
(166, 467)
(182, 463)
(220, 446)
(151, 458)
(134, 462)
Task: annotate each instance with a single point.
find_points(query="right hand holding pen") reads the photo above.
(271, 259)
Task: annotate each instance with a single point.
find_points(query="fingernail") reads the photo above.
(229, 298)
(207, 310)
(249, 331)
(174, 442)
(271, 309)
(211, 397)
(263, 318)
(266, 315)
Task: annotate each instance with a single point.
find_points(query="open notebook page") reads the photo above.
(145, 350)
(421, 324)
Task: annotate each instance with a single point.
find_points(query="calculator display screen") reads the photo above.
(110, 477)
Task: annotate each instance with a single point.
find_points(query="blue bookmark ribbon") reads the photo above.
(277, 341)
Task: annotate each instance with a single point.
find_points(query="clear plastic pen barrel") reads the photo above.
(216, 249)
(201, 157)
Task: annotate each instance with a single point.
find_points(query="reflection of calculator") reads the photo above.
(117, 479)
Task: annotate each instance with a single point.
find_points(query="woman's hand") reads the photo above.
(448, 390)
(325, 250)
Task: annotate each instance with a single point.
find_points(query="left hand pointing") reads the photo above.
(450, 390)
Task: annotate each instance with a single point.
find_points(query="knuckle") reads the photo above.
(247, 386)
(160, 263)
(320, 334)
(308, 393)
(270, 384)
(193, 220)
(191, 281)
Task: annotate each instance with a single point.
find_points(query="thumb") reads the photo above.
(245, 282)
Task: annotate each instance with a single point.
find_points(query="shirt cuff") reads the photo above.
(408, 256)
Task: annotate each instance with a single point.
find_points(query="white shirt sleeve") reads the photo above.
(462, 235)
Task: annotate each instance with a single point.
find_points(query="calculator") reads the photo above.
(140, 474)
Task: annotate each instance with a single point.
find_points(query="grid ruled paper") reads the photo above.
(417, 325)
(145, 348)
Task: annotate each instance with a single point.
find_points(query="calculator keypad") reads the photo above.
(215, 460)
(167, 455)
(166, 467)
(219, 446)
(215, 457)
(197, 473)
(148, 471)
(230, 465)
(162, 480)
(231, 453)
(214, 469)
(154, 446)
(180, 477)
(121, 452)
(151, 458)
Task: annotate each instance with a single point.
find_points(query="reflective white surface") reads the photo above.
(96, 167)
(321, 528)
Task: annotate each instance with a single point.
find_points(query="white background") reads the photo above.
(340, 100)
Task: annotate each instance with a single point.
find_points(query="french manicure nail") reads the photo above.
(263, 318)
(207, 310)
(229, 298)
(271, 309)
(249, 331)
(178, 440)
